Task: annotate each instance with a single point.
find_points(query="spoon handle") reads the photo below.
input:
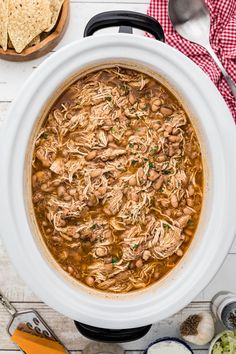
(224, 72)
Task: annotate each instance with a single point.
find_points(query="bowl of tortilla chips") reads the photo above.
(31, 28)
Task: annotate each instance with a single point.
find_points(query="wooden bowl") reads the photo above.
(47, 44)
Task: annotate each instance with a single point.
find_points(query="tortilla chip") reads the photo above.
(3, 23)
(55, 7)
(35, 40)
(27, 19)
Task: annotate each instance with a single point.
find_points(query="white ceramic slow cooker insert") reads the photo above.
(216, 133)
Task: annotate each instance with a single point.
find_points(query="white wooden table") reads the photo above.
(12, 77)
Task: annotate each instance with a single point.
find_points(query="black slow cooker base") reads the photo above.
(112, 335)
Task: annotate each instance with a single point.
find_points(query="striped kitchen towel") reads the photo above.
(222, 39)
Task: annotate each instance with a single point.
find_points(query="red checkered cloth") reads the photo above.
(222, 39)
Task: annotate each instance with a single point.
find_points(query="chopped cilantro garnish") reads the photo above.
(166, 172)
(146, 107)
(114, 259)
(108, 98)
(131, 145)
(94, 226)
(166, 226)
(44, 135)
(155, 150)
(151, 164)
(190, 222)
(161, 190)
(125, 88)
(133, 162)
(135, 246)
(113, 130)
(147, 94)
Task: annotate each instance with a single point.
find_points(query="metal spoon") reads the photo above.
(191, 20)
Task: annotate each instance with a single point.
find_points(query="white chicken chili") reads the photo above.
(117, 180)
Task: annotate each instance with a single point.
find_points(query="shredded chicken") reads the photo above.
(117, 180)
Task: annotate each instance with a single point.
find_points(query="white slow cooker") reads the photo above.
(216, 132)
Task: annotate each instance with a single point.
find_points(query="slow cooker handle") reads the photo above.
(112, 335)
(125, 19)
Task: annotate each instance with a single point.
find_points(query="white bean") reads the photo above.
(179, 252)
(139, 263)
(61, 191)
(101, 251)
(89, 281)
(174, 201)
(134, 197)
(132, 181)
(158, 183)
(91, 155)
(174, 138)
(153, 175)
(96, 173)
(187, 211)
(72, 191)
(191, 190)
(155, 105)
(166, 111)
(146, 255)
(161, 158)
(190, 202)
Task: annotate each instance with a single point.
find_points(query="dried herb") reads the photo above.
(190, 222)
(133, 162)
(151, 164)
(114, 260)
(44, 135)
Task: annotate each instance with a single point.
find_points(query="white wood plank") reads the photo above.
(10, 283)
(73, 340)
(13, 75)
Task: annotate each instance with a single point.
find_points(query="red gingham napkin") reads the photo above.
(222, 39)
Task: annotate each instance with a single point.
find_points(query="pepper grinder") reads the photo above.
(224, 309)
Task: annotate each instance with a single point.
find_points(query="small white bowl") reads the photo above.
(215, 339)
(169, 339)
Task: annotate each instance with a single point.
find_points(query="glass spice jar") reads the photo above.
(224, 309)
